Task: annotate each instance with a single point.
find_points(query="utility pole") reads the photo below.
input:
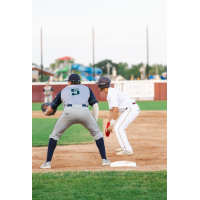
(41, 59)
(93, 54)
(147, 56)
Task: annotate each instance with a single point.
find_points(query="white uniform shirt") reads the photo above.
(116, 98)
(47, 90)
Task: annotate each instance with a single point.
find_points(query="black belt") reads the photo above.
(132, 103)
(70, 105)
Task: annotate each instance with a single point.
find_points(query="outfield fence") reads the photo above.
(147, 90)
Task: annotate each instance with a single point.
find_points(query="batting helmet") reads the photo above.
(103, 82)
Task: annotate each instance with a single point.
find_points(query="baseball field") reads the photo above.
(76, 171)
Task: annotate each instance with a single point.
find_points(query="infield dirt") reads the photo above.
(147, 136)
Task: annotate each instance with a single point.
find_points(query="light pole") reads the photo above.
(41, 59)
(93, 52)
(147, 56)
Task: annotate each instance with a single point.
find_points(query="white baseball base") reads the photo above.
(123, 164)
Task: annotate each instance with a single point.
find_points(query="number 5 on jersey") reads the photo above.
(75, 91)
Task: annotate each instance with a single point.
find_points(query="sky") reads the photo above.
(119, 30)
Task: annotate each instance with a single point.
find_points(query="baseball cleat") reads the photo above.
(46, 165)
(120, 149)
(128, 153)
(105, 162)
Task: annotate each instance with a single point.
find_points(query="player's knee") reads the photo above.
(98, 136)
(116, 127)
(55, 137)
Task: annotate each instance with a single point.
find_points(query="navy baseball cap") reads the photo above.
(74, 78)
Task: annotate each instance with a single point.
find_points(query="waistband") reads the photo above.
(70, 105)
(132, 103)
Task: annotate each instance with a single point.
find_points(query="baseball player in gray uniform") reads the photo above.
(48, 91)
(75, 98)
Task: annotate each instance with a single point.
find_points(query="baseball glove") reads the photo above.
(47, 93)
(106, 132)
(44, 107)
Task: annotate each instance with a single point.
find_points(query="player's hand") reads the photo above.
(109, 129)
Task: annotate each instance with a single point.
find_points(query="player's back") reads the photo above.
(122, 97)
(117, 98)
(75, 94)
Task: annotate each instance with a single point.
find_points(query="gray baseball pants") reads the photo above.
(76, 115)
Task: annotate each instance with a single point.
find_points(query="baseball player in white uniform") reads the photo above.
(48, 91)
(119, 102)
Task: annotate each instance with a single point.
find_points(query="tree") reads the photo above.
(45, 78)
(161, 68)
(35, 64)
(134, 70)
(103, 65)
(122, 67)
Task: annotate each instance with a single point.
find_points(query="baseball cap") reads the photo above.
(47, 82)
(74, 77)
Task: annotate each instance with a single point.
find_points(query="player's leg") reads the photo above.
(117, 134)
(45, 99)
(122, 123)
(63, 122)
(50, 98)
(88, 121)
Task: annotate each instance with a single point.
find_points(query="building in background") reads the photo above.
(36, 72)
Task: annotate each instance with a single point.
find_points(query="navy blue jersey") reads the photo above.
(74, 94)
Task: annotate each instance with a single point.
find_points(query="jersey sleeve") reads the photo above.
(113, 100)
(56, 102)
(92, 99)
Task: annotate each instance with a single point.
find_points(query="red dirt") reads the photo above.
(147, 136)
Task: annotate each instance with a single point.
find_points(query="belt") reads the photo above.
(132, 103)
(70, 105)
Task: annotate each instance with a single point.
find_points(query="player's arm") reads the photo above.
(51, 90)
(94, 103)
(56, 102)
(110, 114)
(95, 111)
(44, 91)
(113, 112)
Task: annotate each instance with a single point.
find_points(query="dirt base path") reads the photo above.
(147, 136)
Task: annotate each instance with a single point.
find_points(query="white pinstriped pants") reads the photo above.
(123, 122)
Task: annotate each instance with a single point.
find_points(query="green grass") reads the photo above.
(75, 134)
(152, 105)
(144, 105)
(92, 185)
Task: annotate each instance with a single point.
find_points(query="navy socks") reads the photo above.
(101, 147)
(51, 148)
(53, 143)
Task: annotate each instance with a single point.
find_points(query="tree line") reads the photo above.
(124, 70)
